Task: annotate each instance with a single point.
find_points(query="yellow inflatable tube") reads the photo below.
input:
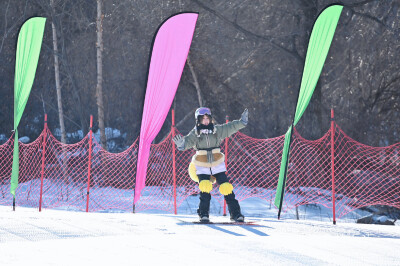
(193, 175)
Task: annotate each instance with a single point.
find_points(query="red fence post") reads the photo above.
(226, 160)
(333, 165)
(43, 161)
(89, 163)
(173, 158)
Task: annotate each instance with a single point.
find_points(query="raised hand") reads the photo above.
(179, 141)
(245, 117)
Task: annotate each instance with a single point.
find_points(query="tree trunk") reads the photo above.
(195, 81)
(59, 101)
(57, 78)
(99, 87)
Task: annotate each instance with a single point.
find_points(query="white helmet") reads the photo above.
(202, 111)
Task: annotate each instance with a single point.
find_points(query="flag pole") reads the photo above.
(285, 175)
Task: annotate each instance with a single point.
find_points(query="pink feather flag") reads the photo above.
(170, 50)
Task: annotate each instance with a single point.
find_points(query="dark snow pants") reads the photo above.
(205, 198)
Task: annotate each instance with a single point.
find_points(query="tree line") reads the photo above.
(244, 54)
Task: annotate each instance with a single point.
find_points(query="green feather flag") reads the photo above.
(28, 49)
(318, 47)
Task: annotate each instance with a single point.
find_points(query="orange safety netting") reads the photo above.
(63, 176)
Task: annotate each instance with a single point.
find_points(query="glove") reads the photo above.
(245, 117)
(179, 141)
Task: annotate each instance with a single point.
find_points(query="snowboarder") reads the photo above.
(209, 161)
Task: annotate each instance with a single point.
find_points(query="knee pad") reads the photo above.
(205, 186)
(226, 188)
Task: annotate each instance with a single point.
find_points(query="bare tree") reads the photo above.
(99, 87)
(243, 55)
(7, 28)
(57, 77)
(195, 81)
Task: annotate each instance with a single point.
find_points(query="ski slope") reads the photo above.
(61, 237)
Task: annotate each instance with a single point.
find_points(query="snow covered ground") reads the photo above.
(60, 237)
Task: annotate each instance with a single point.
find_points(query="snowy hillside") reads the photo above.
(60, 237)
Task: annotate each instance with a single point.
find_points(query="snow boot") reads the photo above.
(204, 207)
(239, 218)
(204, 219)
(203, 216)
(234, 208)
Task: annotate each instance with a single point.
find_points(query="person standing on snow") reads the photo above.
(209, 161)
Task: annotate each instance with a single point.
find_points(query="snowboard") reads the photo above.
(220, 222)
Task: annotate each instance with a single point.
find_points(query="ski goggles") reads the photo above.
(203, 111)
